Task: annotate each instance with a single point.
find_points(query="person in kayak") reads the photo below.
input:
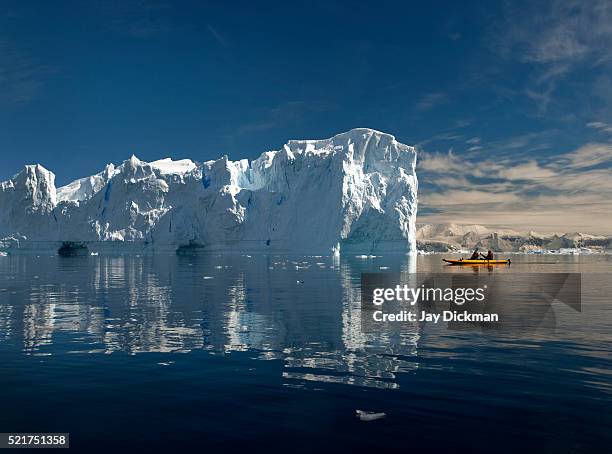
(475, 255)
(489, 255)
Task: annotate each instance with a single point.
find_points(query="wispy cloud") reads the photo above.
(281, 114)
(22, 77)
(600, 125)
(555, 38)
(142, 19)
(589, 155)
(429, 101)
(562, 31)
(218, 37)
(516, 145)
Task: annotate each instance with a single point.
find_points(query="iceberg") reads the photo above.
(355, 192)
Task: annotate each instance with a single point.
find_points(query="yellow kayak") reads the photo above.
(478, 262)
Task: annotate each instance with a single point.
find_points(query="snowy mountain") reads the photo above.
(354, 192)
(455, 237)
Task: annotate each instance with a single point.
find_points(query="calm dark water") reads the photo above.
(204, 352)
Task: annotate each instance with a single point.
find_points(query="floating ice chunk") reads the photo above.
(369, 416)
(207, 277)
(384, 267)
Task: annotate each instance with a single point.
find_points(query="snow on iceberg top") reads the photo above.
(168, 166)
(359, 144)
(84, 188)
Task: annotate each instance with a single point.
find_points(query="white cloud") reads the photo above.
(527, 171)
(438, 162)
(590, 155)
(599, 125)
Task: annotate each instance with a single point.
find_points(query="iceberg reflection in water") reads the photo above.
(304, 311)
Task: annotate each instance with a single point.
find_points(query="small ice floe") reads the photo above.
(218, 267)
(384, 267)
(93, 253)
(166, 363)
(300, 282)
(3, 254)
(369, 415)
(207, 277)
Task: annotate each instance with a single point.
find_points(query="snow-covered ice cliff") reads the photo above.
(354, 192)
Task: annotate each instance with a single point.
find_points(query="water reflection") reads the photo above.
(301, 311)
(304, 311)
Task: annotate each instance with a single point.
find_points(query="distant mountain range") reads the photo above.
(456, 237)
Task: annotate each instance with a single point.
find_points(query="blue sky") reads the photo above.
(507, 101)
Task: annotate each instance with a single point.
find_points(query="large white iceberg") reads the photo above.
(356, 191)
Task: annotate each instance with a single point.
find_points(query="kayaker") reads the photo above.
(489, 255)
(475, 255)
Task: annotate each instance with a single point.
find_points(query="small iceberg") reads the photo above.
(369, 415)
